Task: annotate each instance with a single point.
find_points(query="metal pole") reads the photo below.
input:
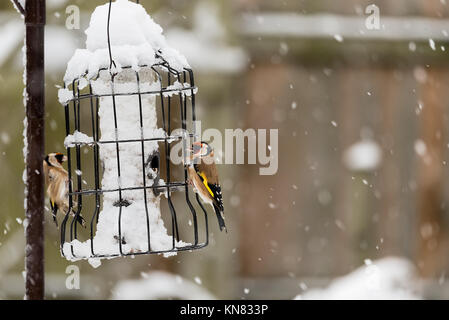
(35, 111)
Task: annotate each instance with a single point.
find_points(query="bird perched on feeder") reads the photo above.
(57, 180)
(203, 176)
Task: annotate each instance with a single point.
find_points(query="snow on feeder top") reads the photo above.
(113, 92)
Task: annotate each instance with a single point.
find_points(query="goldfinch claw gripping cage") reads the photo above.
(85, 104)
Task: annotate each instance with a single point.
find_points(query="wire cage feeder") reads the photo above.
(160, 179)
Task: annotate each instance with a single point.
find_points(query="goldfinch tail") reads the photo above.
(220, 219)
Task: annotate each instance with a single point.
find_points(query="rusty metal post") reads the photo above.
(35, 111)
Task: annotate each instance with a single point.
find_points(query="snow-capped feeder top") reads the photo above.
(135, 39)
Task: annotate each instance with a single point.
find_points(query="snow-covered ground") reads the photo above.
(160, 285)
(390, 278)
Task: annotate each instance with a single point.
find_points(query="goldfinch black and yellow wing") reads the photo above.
(214, 190)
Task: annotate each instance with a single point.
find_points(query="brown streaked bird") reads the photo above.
(57, 180)
(203, 175)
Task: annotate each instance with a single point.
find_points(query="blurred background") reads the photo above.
(363, 147)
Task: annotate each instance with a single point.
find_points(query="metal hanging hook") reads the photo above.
(112, 62)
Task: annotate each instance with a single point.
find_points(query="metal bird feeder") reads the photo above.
(90, 101)
(160, 179)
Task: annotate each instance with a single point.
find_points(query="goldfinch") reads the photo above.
(57, 180)
(203, 176)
